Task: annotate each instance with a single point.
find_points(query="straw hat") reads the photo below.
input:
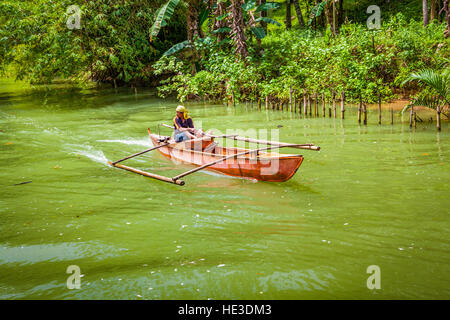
(181, 109)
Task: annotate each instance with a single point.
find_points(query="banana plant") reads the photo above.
(317, 10)
(163, 15)
(250, 9)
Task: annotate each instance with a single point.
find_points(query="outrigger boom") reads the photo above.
(209, 138)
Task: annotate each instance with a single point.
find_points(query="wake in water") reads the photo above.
(89, 152)
(142, 142)
(98, 155)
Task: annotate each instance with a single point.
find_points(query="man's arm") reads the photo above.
(190, 123)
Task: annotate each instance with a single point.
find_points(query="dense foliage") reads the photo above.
(226, 49)
(111, 45)
(314, 61)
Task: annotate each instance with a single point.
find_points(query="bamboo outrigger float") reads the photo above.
(206, 154)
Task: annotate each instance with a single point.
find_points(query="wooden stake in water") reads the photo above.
(316, 112)
(392, 115)
(359, 109)
(379, 108)
(305, 103)
(342, 105)
(334, 103)
(310, 103)
(365, 113)
(323, 104)
(411, 117)
(438, 118)
(295, 101)
(290, 99)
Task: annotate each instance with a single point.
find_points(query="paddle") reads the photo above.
(307, 146)
(208, 135)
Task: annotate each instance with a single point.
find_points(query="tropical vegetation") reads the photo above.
(229, 50)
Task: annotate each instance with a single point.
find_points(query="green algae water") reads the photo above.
(374, 195)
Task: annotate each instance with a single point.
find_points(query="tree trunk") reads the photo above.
(298, 11)
(218, 24)
(341, 12)
(425, 12)
(329, 15)
(288, 14)
(210, 16)
(321, 20)
(192, 28)
(433, 11)
(192, 19)
(447, 18)
(263, 15)
(237, 29)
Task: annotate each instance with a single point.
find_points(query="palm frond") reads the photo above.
(426, 101)
(440, 82)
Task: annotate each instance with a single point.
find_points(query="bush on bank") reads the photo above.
(357, 61)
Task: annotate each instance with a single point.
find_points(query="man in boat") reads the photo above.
(184, 126)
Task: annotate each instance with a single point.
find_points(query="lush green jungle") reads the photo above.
(232, 50)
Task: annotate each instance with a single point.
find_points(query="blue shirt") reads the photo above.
(181, 123)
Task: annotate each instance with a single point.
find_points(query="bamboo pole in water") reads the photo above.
(342, 105)
(359, 109)
(299, 106)
(411, 117)
(290, 99)
(323, 104)
(392, 115)
(334, 103)
(305, 104)
(379, 108)
(295, 100)
(315, 105)
(310, 104)
(365, 114)
(438, 118)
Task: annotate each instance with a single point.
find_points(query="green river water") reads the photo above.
(374, 195)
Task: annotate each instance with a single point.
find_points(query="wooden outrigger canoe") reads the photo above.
(274, 167)
(204, 153)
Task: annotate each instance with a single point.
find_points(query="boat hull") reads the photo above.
(265, 167)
